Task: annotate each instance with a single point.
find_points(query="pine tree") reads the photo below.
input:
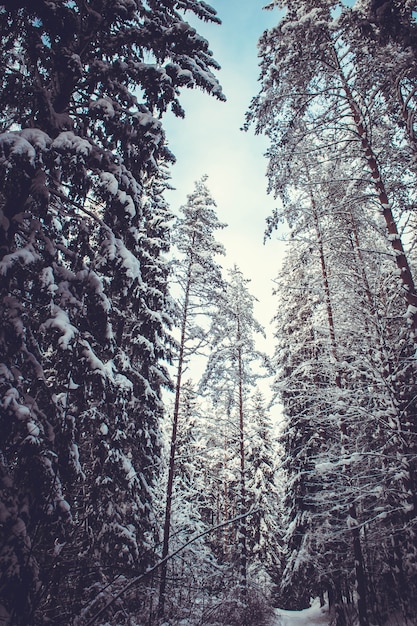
(84, 332)
(199, 281)
(326, 104)
(228, 376)
(311, 92)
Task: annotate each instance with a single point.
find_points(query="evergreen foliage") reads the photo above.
(228, 377)
(341, 163)
(198, 281)
(84, 289)
(89, 298)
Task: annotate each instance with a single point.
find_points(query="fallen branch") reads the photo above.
(138, 579)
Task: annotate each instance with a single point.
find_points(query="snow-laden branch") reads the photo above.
(138, 579)
(80, 207)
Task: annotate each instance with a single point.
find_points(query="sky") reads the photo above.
(209, 142)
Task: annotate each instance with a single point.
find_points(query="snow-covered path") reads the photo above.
(314, 616)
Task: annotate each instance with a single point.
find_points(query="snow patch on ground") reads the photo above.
(314, 616)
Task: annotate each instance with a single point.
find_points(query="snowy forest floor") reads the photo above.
(314, 616)
(318, 616)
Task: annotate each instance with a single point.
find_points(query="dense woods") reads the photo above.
(337, 102)
(143, 479)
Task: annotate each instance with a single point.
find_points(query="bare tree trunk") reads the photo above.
(386, 211)
(171, 469)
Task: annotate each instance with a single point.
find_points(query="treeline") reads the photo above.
(338, 101)
(87, 333)
(221, 478)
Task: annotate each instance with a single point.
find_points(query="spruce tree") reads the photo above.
(262, 486)
(84, 290)
(341, 161)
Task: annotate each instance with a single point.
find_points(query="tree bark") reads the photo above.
(385, 206)
(171, 468)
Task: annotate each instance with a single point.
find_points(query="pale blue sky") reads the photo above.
(209, 141)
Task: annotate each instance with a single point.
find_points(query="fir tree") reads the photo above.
(84, 332)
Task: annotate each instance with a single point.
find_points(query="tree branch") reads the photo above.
(138, 579)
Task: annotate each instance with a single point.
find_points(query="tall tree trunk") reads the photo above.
(360, 573)
(406, 415)
(171, 468)
(227, 513)
(242, 528)
(385, 206)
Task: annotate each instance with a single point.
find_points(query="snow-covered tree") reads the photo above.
(337, 158)
(196, 570)
(228, 377)
(84, 330)
(198, 280)
(262, 457)
(310, 93)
